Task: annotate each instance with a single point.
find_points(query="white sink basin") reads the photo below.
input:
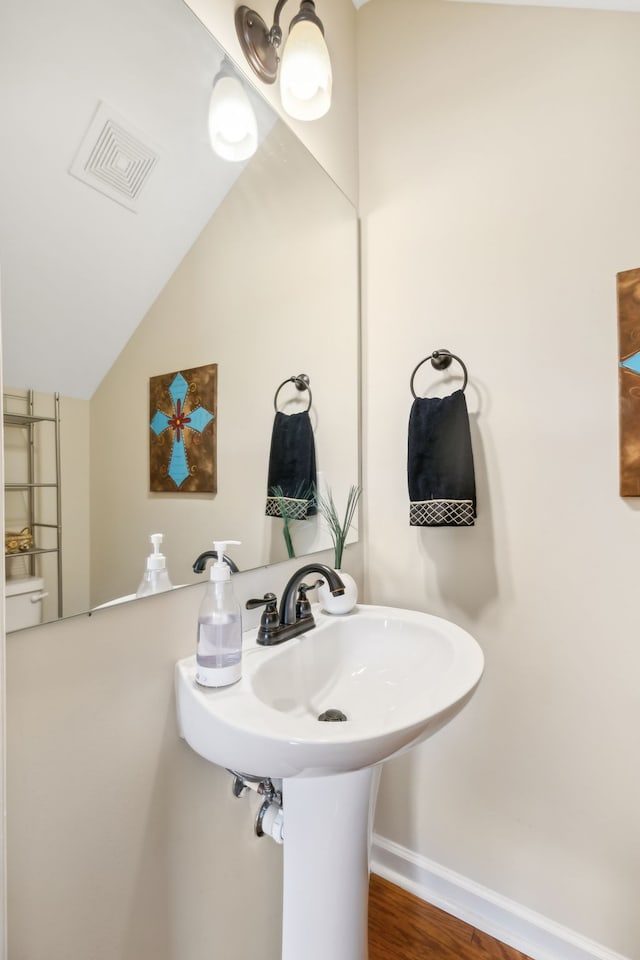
(397, 675)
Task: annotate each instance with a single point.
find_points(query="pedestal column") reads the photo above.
(326, 866)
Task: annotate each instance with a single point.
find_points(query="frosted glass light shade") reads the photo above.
(305, 73)
(233, 129)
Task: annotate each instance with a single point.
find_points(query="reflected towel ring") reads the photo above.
(301, 382)
(440, 360)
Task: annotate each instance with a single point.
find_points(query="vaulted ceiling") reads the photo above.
(79, 268)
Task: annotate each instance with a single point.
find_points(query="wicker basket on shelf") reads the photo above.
(18, 542)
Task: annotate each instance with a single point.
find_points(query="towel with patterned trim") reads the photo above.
(442, 486)
(291, 482)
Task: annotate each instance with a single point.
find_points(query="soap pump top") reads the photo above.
(220, 570)
(156, 578)
(156, 560)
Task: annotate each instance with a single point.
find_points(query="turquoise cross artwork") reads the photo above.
(632, 363)
(179, 422)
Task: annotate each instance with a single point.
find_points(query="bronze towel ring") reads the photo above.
(440, 360)
(301, 382)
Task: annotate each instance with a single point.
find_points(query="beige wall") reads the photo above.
(123, 844)
(499, 198)
(252, 296)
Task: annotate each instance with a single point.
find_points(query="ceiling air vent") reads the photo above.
(113, 159)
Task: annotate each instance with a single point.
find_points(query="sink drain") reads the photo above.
(332, 716)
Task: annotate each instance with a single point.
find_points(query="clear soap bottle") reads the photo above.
(156, 578)
(219, 651)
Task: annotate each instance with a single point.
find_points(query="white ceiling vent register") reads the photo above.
(113, 158)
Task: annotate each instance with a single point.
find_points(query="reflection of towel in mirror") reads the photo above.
(292, 467)
(442, 488)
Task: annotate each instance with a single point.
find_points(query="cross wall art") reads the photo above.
(182, 442)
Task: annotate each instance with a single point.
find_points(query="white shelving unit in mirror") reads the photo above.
(33, 515)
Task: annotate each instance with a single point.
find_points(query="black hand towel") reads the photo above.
(442, 487)
(292, 467)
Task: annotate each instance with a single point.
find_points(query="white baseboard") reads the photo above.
(507, 921)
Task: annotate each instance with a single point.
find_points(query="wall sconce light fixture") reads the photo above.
(233, 129)
(305, 68)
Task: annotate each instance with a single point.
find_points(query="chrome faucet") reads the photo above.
(295, 611)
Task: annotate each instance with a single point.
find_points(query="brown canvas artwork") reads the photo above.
(628, 286)
(182, 440)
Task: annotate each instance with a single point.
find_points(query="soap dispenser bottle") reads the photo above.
(219, 652)
(155, 579)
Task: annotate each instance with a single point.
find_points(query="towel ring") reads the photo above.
(440, 360)
(301, 382)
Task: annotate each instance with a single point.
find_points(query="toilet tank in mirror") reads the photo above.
(129, 250)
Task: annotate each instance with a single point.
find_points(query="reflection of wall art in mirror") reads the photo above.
(182, 443)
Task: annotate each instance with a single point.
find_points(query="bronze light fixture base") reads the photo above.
(258, 43)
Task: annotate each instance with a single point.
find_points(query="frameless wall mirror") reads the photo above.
(129, 250)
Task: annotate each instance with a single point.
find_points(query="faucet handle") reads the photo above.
(260, 602)
(303, 605)
(269, 621)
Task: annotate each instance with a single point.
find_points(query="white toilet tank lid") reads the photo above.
(15, 588)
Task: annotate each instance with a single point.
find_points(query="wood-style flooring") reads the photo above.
(402, 927)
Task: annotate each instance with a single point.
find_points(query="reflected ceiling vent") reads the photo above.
(113, 159)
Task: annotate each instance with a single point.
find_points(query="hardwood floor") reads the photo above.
(402, 927)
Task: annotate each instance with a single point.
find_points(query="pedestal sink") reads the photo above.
(397, 676)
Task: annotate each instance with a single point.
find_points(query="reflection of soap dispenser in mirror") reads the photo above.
(155, 579)
(219, 653)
